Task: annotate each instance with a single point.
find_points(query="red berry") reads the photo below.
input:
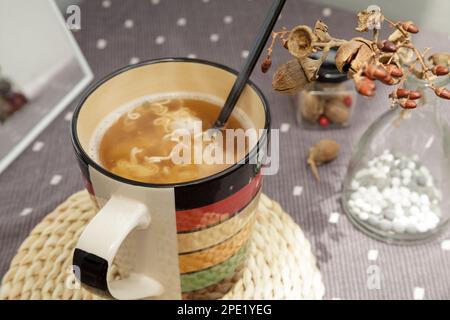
(348, 101)
(324, 121)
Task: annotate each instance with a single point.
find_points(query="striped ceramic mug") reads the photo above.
(166, 239)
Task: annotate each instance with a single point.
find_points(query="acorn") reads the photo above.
(410, 27)
(440, 70)
(414, 95)
(399, 93)
(365, 86)
(386, 46)
(373, 72)
(407, 104)
(442, 93)
(394, 71)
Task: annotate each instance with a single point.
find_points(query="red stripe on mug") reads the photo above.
(198, 218)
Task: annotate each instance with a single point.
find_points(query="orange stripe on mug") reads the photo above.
(198, 218)
(205, 238)
(193, 262)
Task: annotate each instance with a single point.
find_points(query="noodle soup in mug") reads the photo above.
(170, 228)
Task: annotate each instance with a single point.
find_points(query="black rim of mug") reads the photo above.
(85, 157)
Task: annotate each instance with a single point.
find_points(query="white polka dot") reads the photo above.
(298, 190)
(25, 212)
(37, 146)
(192, 56)
(334, 218)
(214, 37)
(56, 179)
(128, 24)
(101, 44)
(429, 142)
(155, 2)
(335, 298)
(372, 255)
(134, 60)
(160, 40)
(181, 22)
(244, 54)
(205, 1)
(326, 12)
(106, 3)
(68, 116)
(419, 293)
(228, 19)
(231, 188)
(445, 245)
(285, 127)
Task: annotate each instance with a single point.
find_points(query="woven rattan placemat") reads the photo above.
(281, 264)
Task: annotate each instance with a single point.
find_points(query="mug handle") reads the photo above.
(99, 243)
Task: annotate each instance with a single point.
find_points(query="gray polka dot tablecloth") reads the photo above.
(116, 33)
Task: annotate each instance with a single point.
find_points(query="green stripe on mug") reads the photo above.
(205, 278)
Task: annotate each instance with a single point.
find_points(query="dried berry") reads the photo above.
(373, 72)
(267, 63)
(399, 93)
(348, 101)
(414, 95)
(336, 111)
(386, 46)
(442, 93)
(440, 70)
(407, 104)
(365, 86)
(324, 121)
(410, 27)
(394, 71)
(323, 152)
(389, 80)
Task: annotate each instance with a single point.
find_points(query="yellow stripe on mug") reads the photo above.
(198, 240)
(204, 259)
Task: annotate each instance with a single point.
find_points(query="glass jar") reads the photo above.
(329, 103)
(400, 170)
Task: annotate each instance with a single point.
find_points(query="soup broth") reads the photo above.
(139, 144)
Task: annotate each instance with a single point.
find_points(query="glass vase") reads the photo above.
(398, 178)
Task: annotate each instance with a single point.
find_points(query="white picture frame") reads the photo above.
(37, 24)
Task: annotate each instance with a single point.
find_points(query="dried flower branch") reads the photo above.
(389, 61)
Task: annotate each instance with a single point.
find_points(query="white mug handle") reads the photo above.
(99, 243)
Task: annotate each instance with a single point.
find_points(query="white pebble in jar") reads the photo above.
(395, 194)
